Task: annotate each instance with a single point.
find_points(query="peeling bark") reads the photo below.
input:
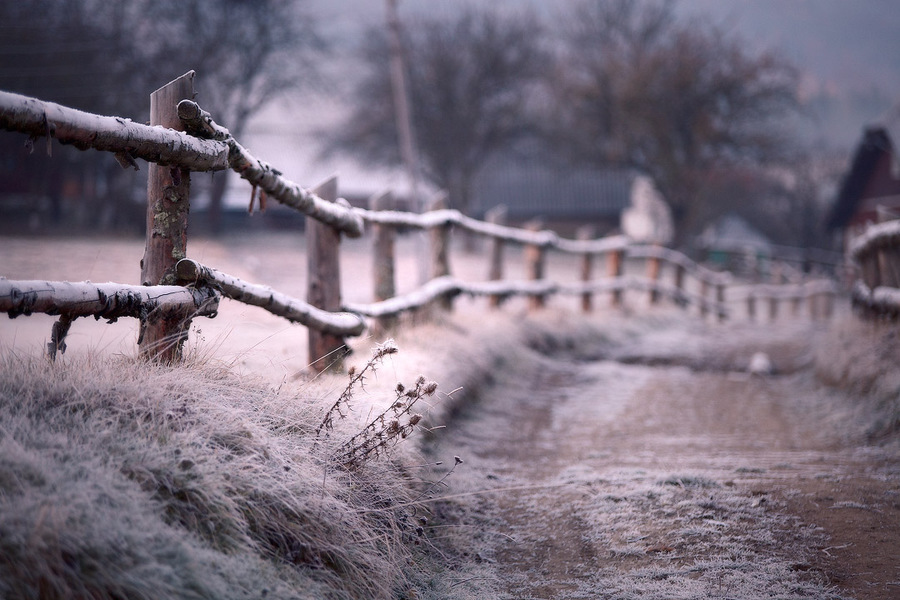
(279, 304)
(126, 139)
(104, 300)
(270, 180)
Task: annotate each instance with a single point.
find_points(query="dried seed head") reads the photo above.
(400, 388)
(458, 460)
(386, 347)
(420, 380)
(351, 371)
(431, 388)
(414, 420)
(394, 426)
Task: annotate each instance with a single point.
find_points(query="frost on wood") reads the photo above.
(259, 173)
(275, 302)
(875, 237)
(450, 286)
(103, 300)
(882, 300)
(126, 139)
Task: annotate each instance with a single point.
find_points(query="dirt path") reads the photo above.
(659, 472)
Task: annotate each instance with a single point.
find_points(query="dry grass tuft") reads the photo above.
(125, 480)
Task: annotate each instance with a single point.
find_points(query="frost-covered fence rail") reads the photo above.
(877, 252)
(184, 139)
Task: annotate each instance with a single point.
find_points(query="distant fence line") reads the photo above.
(177, 288)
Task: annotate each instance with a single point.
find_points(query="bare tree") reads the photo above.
(636, 87)
(470, 82)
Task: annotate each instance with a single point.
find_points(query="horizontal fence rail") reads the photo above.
(207, 146)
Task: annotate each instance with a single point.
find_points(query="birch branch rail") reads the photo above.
(261, 174)
(128, 140)
(677, 258)
(105, 300)
(275, 302)
(450, 286)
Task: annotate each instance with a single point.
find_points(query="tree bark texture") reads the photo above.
(261, 174)
(439, 244)
(586, 233)
(121, 136)
(496, 216)
(282, 305)
(383, 257)
(168, 205)
(326, 350)
(534, 266)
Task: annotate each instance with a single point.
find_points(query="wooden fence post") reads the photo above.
(168, 205)
(614, 268)
(534, 264)
(751, 305)
(496, 216)
(720, 301)
(653, 276)
(383, 256)
(680, 297)
(440, 249)
(704, 295)
(326, 351)
(586, 232)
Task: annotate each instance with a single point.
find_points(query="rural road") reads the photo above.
(653, 466)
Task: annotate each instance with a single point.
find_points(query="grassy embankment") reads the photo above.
(123, 480)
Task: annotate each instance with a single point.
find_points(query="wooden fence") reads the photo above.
(877, 252)
(182, 138)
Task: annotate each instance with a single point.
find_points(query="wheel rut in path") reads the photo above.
(635, 481)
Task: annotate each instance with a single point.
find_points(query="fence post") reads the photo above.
(614, 266)
(751, 305)
(586, 232)
(680, 297)
(704, 294)
(383, 256)
(326, 351)
(496, 216)
(720, 301)
(653, 276)
(440, 249)
(534, 264)
(168, 205)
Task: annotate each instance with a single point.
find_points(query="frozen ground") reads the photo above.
(650, 465)
(633, 455)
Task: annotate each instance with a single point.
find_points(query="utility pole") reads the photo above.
(403, 117)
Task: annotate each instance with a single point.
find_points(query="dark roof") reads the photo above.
(530, 189)
(874, 143)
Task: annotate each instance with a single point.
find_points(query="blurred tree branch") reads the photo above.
(470, 82)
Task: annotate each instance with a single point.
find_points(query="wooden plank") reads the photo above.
(168, 205)
(326, 350)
